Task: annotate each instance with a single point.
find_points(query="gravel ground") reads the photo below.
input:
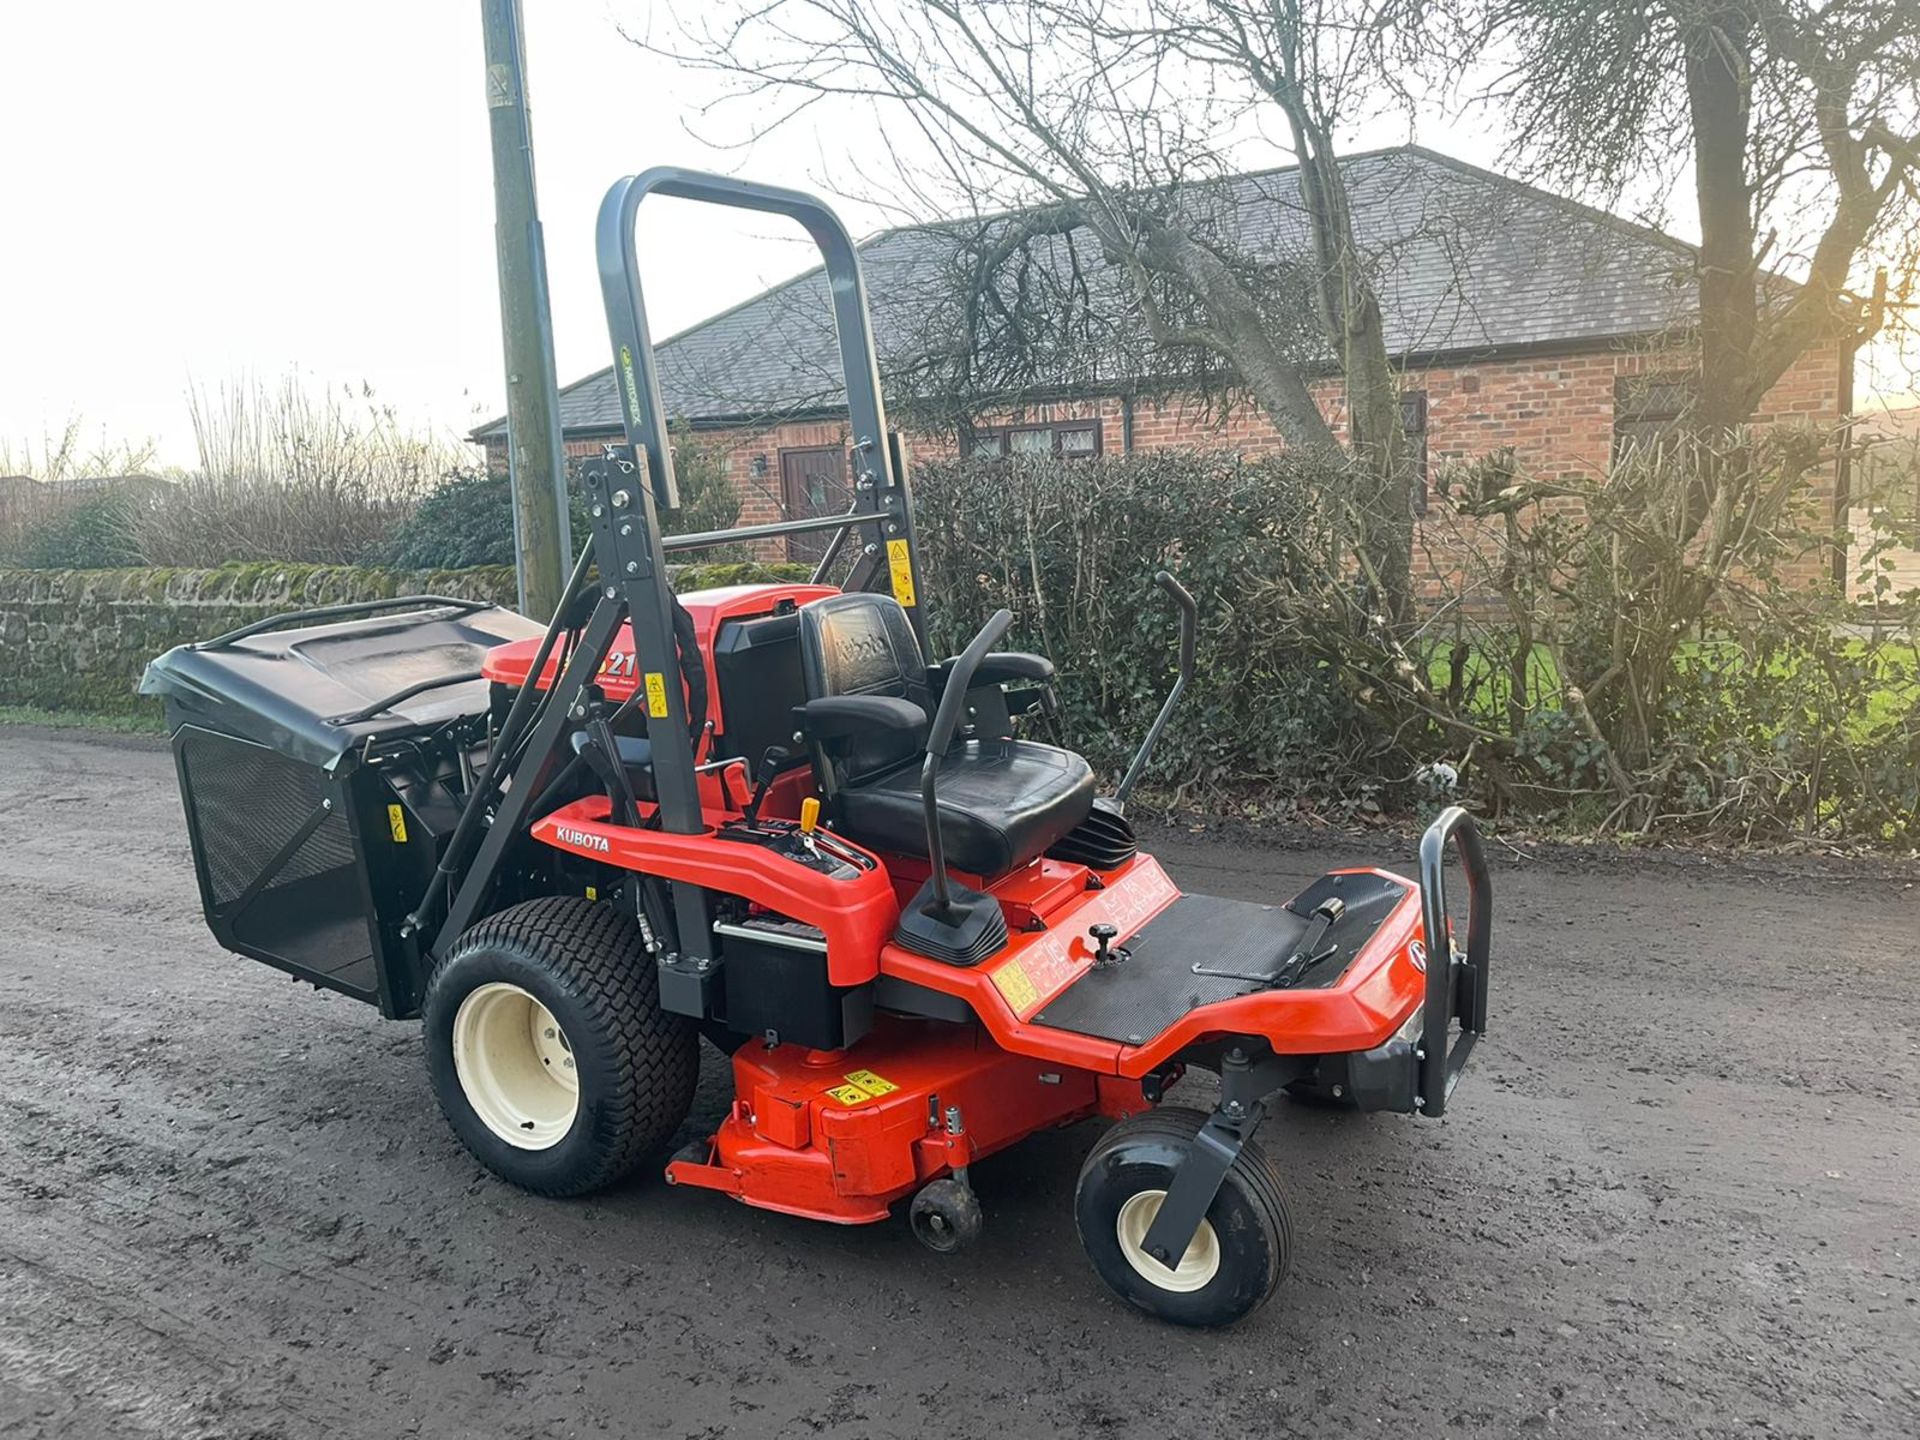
(1677, 1196)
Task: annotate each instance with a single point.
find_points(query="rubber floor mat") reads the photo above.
(1155, 985)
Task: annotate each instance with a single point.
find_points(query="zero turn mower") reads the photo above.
(761, 814)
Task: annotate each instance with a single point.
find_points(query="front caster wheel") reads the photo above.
(1233, 1264)
(945, 1216)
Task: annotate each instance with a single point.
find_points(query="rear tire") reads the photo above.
(1235, 1262)
(548, 1050)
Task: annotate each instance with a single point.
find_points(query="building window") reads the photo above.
(1069, 439)
(1888, 476)
(1413, 420)
(1649, 409)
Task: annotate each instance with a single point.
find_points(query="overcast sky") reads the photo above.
(204, 188)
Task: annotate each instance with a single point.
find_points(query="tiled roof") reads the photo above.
(1465, 261)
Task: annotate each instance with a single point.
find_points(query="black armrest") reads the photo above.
(834, 717)
(996, 667)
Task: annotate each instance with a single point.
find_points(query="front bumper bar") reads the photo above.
(1418, 1067)
(1456, 982)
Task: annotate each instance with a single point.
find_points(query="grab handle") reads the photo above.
(1189, 629)
(1454, 988)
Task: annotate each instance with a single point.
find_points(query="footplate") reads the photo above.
(1202, 950)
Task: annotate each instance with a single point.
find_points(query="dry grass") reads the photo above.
(283, 471)
(38, 482)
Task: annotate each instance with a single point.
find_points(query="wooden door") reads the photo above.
(815, 481)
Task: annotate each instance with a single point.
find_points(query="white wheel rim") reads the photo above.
(515, 1066)
(1196, 1268)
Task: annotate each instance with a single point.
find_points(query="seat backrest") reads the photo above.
(863, 644)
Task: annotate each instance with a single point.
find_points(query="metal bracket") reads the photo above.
(1245, 1082)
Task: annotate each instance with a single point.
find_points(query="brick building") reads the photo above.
(1518, 318)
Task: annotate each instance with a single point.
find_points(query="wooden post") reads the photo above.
(542, 537)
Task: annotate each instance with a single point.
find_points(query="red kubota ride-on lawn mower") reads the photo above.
(760, 815)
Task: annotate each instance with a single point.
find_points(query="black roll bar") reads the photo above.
(1454, 987)
(636, 376)
(946, 719)
(836, 544)
(640, 574)
(1189, 627)
(627, 487)
(398, 697)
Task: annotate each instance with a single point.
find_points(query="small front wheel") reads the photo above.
(946, 1216)
(1236, 1260)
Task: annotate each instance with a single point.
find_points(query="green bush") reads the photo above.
(1662, 649)
(467, 520)
(1071, 548)
(92, 532)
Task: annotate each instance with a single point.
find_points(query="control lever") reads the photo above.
(1189, 628)
(763, 779)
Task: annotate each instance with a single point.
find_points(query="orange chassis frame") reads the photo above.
(841, 1135)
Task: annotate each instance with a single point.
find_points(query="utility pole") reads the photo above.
(542, 536)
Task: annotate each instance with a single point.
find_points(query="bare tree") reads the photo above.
(1100, 136)
(1801, 120)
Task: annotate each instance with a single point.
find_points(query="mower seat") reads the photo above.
(1002, 802)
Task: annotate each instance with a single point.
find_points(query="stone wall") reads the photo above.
(79, 639)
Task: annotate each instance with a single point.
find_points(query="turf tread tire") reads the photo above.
(585, 959)
(1253, 1171)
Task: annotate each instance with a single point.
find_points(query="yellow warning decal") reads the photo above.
(1016, 987)
(656, 695)
(900, 562)
(849, 1094)
(397, 823)
(593, 892)
(873, 1084)
(633, 386)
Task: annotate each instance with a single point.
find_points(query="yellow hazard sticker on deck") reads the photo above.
(849, 1094)
(656, 695)
(397, 823)
(1016, 987)
(900, 563)
(872, 1084)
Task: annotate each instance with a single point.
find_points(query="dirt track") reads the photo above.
(1680, 1195)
